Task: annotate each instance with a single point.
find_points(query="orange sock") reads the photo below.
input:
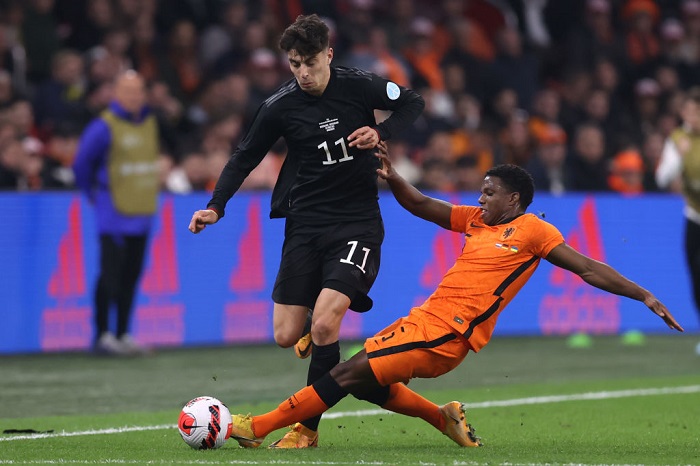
(302, 405)
(405, 401)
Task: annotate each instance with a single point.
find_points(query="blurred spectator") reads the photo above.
(548, 167)
(594, 37)
(423, 57)
(476, 70)
(596, 109)
(13, 60)
(588, 163)
(264, 75)
(189, 175)
(59, 154)
(179, 64)
(60, 98)
(641, 42)
(545, 112)
(373, 53)
(627, 172)
(645, 108)
(500, 110)
(87, 28)
(467, 174)
(516, 68)
(7, 94)
(221, 44)
(11, 159)
(651, 152)
(574, 90)
(40, 38)
(516, 144)
(402, 162)
(145, 48)
(436, 176)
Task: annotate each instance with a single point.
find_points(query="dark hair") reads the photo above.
(517, 180)
(308, 35)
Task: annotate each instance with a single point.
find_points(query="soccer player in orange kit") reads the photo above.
(503, 247)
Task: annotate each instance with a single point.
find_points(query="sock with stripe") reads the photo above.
(307, 403)
(405, 401)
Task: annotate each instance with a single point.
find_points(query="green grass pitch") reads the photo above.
(533, 401)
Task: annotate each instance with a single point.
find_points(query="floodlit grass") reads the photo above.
(85, 400)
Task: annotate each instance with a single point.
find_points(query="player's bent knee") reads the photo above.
(324, 333)
(285, 339)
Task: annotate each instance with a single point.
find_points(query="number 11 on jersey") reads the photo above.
(329, 159)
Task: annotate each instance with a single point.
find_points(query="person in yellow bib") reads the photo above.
(116, 167)
(679, 171)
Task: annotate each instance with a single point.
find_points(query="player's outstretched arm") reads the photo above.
(603, 276)
(420, 205)
(202, 218)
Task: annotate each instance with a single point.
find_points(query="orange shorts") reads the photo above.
(419, 345)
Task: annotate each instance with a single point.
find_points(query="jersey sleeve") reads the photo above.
(405, 104)
(264, 131)
(545, 237)
(461, 216)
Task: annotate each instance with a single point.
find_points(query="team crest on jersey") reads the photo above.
(507, 233)
(392, 91)
(328, 124)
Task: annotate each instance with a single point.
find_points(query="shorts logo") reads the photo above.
(392, 91)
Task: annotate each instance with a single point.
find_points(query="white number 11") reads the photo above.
(329, 160)
(353, 246)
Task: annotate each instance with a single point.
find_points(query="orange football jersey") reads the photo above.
(495, 263)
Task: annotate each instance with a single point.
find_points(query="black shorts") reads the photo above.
(344, 257)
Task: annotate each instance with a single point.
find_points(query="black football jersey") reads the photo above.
(322, 179)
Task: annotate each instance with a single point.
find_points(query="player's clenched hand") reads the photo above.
(201, 219)
(660, 310)
(364, 138)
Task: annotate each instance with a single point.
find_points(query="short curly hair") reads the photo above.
(308, 35)
(517, 179)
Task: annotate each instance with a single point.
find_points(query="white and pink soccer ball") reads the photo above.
(205, 423)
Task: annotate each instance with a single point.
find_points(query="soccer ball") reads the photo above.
(205, 423)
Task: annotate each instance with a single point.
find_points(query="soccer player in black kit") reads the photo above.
(326, 190)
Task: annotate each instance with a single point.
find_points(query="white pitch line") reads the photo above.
(535, 400)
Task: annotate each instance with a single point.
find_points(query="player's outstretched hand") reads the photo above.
(658, 308)
(382, 154)
(201, 219)
(364, 138)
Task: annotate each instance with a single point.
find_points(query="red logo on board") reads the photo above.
(578, 307)
(67, 325)
(161, 321)
(247, 316)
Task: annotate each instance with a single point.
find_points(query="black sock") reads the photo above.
(329, 391)
(323, 359)
(379, 396)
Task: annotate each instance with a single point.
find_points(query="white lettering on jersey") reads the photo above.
(329, 125)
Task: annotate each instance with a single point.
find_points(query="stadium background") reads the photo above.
(504, 82)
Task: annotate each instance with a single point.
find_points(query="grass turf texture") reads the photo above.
(79, 392)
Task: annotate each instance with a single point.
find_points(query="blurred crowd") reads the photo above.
(583, 93)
